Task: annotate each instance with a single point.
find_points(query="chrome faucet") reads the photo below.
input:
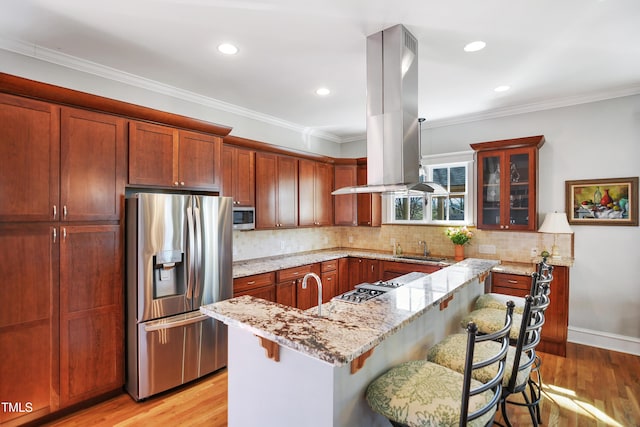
(319, 282)
(424, 244)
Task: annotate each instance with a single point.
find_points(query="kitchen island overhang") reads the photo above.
(291, 367)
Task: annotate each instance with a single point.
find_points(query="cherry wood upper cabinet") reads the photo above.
(29, 159)
(315, 200)
(508, 183)
(345, 205)
(93, 165)
(162, 156)
(238, 175)
(276, 191)
(369, 205)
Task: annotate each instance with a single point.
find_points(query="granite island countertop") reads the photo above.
(348, 330)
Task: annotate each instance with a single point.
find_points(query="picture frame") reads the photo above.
(611, 201)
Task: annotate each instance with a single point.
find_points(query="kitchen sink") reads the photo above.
(421, 258)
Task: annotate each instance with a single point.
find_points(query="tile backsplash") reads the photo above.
(508, 245)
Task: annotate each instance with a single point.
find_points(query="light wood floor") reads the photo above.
(590, 387)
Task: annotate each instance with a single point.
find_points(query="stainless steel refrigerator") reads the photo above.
(179, 257)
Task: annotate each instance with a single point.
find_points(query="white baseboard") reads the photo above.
(605, 340)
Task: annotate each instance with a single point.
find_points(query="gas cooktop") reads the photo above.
(366, 291)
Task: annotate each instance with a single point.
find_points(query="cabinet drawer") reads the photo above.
(329, 266)
(514, 282)
(293, 273)
(253, 282)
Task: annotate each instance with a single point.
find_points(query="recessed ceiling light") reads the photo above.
(228, 49)
(475, 46)
(323, 91)
(503, 88)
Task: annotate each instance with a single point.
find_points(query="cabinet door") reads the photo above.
(153, 149)
(29, 159)
(91, 312)
(286, 293)
(323, 185)
(266, 190)
(307, 200)
(355, 273)
(245, 180)
(199, 160)
(329, 285)
(490, 212)
(92, 162)
(28, 325)
(369, 205)
(371, 270)
(287, 193)
(345, 206)
(520, 180)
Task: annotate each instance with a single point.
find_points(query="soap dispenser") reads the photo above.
(399, 249)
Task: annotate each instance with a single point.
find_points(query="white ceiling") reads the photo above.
(551, 52)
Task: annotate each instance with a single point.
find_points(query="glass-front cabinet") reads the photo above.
(507, 183)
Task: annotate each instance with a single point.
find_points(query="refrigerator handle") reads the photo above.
(191, 254)
(198, 276)
(160, 326)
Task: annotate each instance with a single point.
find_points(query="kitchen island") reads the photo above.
(292, 367)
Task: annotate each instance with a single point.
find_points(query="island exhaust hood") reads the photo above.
(392, 116)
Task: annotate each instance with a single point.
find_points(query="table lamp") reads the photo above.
(555, 223)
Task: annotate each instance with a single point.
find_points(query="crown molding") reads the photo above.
(52, 56)
(548, 104)
(75, 63)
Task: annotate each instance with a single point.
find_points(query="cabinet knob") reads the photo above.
(182, 183)
(175, 183)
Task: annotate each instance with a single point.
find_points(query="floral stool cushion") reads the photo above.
(420, 393)
(499, 301)
(451, 353)
(490, 320)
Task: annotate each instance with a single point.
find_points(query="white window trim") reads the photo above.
(460, 158)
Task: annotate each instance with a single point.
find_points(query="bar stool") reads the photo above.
(496, 300)
(421, 393)
(521, 358)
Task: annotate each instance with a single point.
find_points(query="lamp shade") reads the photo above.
(555, 223)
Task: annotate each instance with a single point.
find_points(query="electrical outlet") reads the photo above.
(282, 244)
(487, 249)
(350, 239)
(534, 252)
(392, 241)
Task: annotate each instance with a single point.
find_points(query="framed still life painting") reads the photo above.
(612, 201)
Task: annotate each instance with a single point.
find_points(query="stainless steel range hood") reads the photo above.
(392, 115)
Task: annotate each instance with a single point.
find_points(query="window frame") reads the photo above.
(439, 161)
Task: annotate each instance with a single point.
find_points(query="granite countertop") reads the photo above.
(347, 330)
(268, 264)
(264, 265)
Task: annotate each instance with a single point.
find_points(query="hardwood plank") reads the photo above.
(589, 387)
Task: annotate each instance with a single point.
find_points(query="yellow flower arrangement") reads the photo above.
(459, 235)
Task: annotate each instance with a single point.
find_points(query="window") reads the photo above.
(452, 171)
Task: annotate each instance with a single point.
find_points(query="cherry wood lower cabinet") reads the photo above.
(329, 276)
(259, 285)
(554, 331)
(363, 270)
(91, 311)
(393, 269)
(29, 363)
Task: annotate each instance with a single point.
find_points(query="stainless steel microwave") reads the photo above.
(244, 218)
